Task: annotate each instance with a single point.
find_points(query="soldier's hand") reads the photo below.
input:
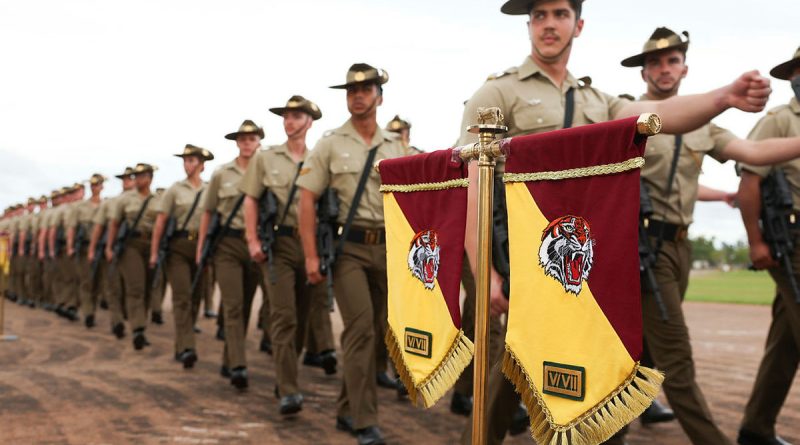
(153, 260)
(90, 255)
(498, 303)
(761, 257)
(731, 199)
(254, 246)
(109, 254)
(749, 92)
(312, 270)
(70, 251)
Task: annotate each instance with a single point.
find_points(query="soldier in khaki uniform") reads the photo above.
(133, 263)
(275, 169)
(181, 203)
(114, 292)
(359, 274)
(33, 279)
(24, 251)
(403, 129)
(238, 276)
(156, 301)
(79, 226)
(782, 352)
(65, 280)
(14, 260)
(535, 97)
(43, 252)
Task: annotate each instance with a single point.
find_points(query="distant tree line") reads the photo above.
(717, 254)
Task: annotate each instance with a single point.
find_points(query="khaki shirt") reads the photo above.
(58, 216)
(177, 201)
(338, 160)
(780, 122)
(103, 214)
(127, 208)
(223, 192)
(275, 169)
(679, 206)
(82, 213)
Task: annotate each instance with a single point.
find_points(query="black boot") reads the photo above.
(656, 413)
(750, 438)
(118, 330)
(89, 321)
(461, 404)
(188, 357)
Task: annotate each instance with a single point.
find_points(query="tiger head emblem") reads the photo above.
(423, 257)
(566, 252)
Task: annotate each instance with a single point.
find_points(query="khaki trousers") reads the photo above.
(66, 282)
(48, 278)
(180, 269)
(89, 289)
(319, 331)
(361, 291)
(114, 291)
(290, 298)
(781, 357)
(238, 278)
(33, 280)
(136, 276)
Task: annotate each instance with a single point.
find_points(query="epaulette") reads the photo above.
(500, 74)
(584, 82)
(627, 96)
(328, 133)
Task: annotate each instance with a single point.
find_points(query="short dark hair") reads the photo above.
(576, 6)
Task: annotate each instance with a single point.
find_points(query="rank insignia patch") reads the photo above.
(564, 381)
(418, 342)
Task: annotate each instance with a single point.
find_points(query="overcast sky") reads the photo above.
(94, 85)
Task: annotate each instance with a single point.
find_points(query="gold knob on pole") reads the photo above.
(648, 124)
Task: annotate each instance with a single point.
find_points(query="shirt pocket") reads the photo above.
(536, 118)
(346, 166)
(595, 114)
(277, 179)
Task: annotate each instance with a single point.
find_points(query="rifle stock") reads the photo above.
(647, 255)
(267, 225)
(776, 214)
(327, 215)
(163, 249)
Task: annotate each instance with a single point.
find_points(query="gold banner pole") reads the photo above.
(486, 151)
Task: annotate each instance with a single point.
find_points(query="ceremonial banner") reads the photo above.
(574, 333)
(4, 254)
(425, 207)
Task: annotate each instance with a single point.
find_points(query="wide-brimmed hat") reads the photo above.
(784, 70)
(520, 7)
(299, 103)
(43, 199)
(397, 125)
(126, 174)
(247, 127)
(97, 178)
(77, 186)
(193, 150)
(144, 168)
(364, 73)
(662, 39)
(32, 201)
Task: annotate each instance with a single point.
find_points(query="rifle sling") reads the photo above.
(191, 211)
(292, 192)
(140, 214)
(673, 169)
(362, 183)
(569, 107)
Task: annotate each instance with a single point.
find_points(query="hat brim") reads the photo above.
(204, 158)
(234, 136)
(377, 81)
(784, 70)
(638, 60)
(280, 110)
(122, 176)
(517, 7)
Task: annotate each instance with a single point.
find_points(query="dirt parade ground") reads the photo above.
(63, 384)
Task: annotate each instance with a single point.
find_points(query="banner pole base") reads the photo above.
(8, 338)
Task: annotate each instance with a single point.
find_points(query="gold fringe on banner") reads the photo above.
(598, 424)
(582, 172)
(425, 186)
(441, 379)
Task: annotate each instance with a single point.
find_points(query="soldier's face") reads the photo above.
(127, 183)
(363, 99)
(192, 164)
(247, 143)
(143, 180)
(663, 71)
(552, 27)
(296, 123)
(97, 188)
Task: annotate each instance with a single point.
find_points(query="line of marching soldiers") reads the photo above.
(271, 218)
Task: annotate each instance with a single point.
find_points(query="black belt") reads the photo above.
(235, 233)
(191, 235)
(287, 231)
(366, 236)
(667, 231)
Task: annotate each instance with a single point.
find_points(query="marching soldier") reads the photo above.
(237, 275)
(79, 225)
(542, 95)
(33, 280)
(403, 129)
(282, 264)
(156, 300)
(343, 160)
(782, 352)
(24, 251)
(673, 192)
(114, 291)
(135, 210)
(180, 203)
(14, 280)
(43, 251)
(65, 284)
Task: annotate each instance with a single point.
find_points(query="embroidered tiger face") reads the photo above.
(423, 257)
(566, 252)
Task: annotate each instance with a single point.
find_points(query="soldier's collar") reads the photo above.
(349, 130)
(794, 105)
(529, 67)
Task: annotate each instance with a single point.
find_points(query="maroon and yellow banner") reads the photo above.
(425, 206)
(574, 334)
(5, 246)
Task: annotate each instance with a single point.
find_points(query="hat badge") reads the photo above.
(662, 43)
(187, 151)
(293, 104)
(205, 152)
(359, 76)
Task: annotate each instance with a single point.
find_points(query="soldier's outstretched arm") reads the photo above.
(205, 220)
(705, 193)
(682, 114)
(308, 234)
(762, 152)
(97, 232)
(750, 207)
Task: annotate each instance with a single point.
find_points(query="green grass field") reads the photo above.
(739, 286)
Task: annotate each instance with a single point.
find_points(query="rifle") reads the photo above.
(267, 225)
(500, 255)
(163, 247)
(327, 215)
(98, 254)
(124, 233)
(776, 214)
(214, 235)
(61, 241)
(647, 255)
(80, 238)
